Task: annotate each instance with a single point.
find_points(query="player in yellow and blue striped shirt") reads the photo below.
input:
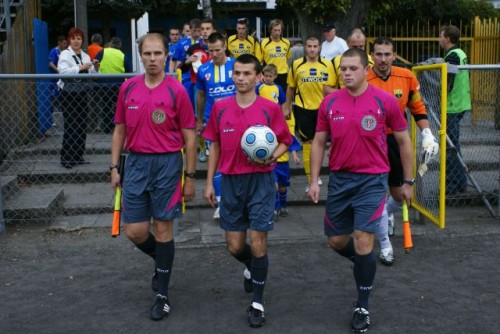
(272, 91)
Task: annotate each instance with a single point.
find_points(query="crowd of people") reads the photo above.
(319, 92)
(72, 95)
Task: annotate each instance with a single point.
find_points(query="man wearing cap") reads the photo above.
(333, 45)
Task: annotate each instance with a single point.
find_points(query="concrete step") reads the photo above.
(9, 185)
(34, 204)
(41, 169)
(43, 202)
(98, 197)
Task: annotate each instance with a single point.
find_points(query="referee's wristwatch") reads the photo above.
(190, 175)
(409, 182)
(113, 166)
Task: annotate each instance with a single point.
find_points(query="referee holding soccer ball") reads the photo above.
(248, 186)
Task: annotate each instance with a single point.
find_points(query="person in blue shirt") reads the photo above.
(54, 54)
(214, 81)
(180, 54)
(174, 35)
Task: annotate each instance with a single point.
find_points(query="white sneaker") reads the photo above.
(387, 256)
(390, 224)
(202, 156)
(320, 182)
(217, 214)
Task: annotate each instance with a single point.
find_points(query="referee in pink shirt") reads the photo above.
(154, 121)
(248, 187)
(356, 119)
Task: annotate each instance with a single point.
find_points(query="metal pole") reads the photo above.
(2, 220)
(6, 10)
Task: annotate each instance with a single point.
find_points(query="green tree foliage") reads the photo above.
(316, 12)
(433, 10)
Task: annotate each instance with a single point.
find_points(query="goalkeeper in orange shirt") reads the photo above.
(401, 83)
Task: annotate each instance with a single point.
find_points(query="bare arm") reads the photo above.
(117, 143)
(317, 153)
(406, 153)
(423, 124)
(200, 106)
(290, 93)
(328, 89)
(189, 136)
(53, 67)
(213, 161)
(172, 66)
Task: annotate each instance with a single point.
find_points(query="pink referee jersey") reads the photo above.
(154, 117)
(357, 127)
(228, 121)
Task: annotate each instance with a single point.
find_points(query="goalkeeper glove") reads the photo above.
(430, 146)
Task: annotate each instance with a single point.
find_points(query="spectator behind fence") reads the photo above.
(333, 44)
(73, 61)
(457, 104)
(54, 54)
(96, 46)
(112, 61)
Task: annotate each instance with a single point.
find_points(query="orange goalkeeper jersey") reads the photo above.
(404, 86)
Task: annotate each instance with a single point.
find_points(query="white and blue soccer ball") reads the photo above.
(259, 142)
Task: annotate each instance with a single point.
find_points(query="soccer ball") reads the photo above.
(259, 142)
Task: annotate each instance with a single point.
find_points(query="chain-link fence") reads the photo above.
(472, 154)
(55, 144)
(42, 178)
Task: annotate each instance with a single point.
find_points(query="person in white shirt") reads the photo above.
(74, 97)
(333, 44)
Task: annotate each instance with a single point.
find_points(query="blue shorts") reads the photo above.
(355, 202)
(152, 187)
(247, 202)
(282, 174)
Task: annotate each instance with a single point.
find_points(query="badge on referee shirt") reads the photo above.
(158, 116)
(369, 123)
